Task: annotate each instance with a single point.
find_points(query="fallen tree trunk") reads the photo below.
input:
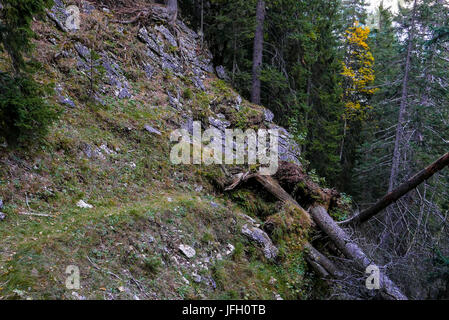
(352, 251)
(399, 192)
(320, 263)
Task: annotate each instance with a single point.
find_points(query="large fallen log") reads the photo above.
(352, 251)
(399, 192)
(321, 264)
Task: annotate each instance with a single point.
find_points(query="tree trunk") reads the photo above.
(320, 263)
(399, 192)
(352, 251)
(258, 52)
(403, 107)
(172, 6)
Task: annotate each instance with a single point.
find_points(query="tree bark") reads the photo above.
(403, 108)
(258, 52)
(172, 6)
(352, 251)
(320, 263)
(399, 192)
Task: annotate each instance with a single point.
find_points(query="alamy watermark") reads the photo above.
(231, 147)
(373, 20)
(373, 280)
(73, 20)
(72, 282)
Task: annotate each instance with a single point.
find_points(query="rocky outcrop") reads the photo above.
(181, 55)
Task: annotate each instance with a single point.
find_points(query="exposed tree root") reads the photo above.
(297, 183)
(150, 12)
(272, 186)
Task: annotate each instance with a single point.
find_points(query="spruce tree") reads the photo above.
(24, 113)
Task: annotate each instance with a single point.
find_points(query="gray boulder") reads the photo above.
(59, 15)
(64, 99)
(260, 237)
(188, 251)
(269, 116)
(167, 35)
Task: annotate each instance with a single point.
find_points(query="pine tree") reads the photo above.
(24, 114)
(411, 80)
(15, 27)
(373, 155)
(258, 52)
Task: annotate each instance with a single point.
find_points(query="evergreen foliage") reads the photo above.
(24, 113)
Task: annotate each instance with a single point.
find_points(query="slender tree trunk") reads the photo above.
(172, 6)
(343, 139)
(403, 106)
(258, 52)
(202, 24)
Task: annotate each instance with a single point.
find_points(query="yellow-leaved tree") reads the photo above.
(358, 78)
(358, 72)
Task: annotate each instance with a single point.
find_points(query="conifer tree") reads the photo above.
(24, 113)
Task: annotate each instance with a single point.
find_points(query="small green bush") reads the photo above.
(152, 264)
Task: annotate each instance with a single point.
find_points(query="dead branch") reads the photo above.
(36, 214)
(399, 192)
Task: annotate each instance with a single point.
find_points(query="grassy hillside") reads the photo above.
(143, 207)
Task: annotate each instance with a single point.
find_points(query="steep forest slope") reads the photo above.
(101, 193)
